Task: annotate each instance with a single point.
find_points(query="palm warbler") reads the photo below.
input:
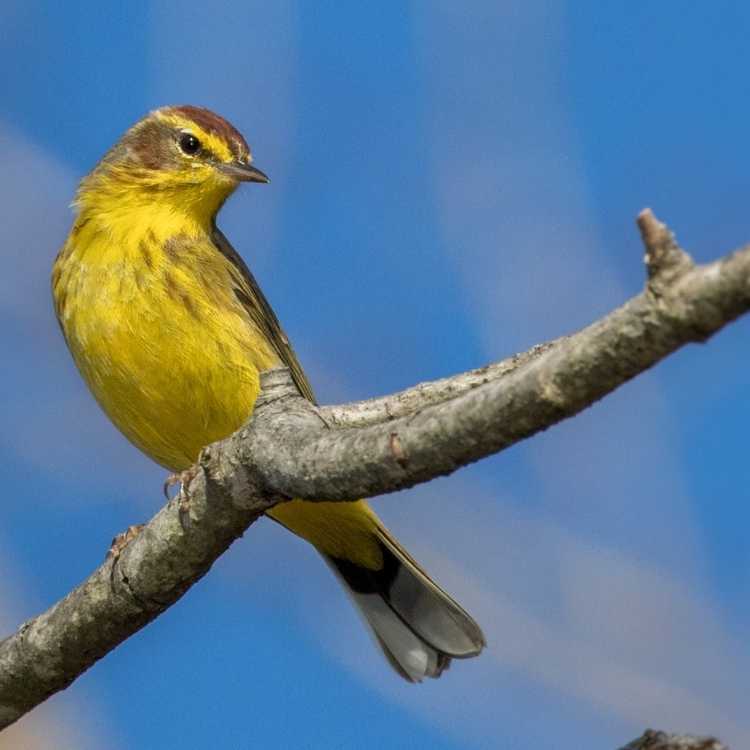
(170, 331)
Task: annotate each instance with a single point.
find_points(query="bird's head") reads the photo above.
(183, 155)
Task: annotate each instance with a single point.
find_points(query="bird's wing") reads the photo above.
(249, 294)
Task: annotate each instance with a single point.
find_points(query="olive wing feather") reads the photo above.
(261, 313)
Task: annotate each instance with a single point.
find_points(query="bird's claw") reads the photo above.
(122, 540)
(182, 478)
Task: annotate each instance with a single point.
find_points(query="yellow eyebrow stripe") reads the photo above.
(210, 141)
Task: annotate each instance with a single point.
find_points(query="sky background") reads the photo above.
(451, 183)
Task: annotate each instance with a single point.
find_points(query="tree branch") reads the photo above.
(291, 448)
(376, 447)
(652, 740)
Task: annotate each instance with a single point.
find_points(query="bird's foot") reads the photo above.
(122, 540)
(182, 478)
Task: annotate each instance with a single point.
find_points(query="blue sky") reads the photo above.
(451, 183)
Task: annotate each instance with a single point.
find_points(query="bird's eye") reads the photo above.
(189, 144)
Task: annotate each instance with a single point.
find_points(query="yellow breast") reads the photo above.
(152, 321)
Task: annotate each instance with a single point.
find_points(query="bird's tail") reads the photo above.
(418, 626)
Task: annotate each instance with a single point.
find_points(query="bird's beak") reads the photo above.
(243, 172)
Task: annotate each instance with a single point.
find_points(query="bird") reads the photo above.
(170, 331)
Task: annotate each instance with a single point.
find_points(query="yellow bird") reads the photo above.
(170, 331)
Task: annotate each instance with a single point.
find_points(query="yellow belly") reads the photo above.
(164, 348)
(174, 361)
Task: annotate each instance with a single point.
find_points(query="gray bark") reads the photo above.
(651, 740)
(291, 448)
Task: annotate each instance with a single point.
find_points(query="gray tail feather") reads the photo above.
(417, 625)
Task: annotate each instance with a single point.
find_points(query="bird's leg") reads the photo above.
(183, 478)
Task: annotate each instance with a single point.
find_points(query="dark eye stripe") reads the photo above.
(212, 123)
